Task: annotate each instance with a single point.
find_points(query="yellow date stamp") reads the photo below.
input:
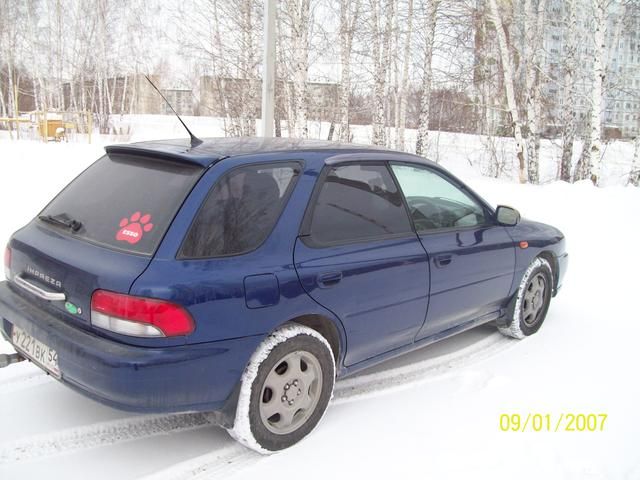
(548, 422)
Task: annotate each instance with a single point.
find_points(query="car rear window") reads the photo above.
(124, 202)
(240, 211)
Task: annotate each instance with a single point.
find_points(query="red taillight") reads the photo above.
(7, 262)
(139, 316)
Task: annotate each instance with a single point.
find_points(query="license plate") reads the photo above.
(44, 356)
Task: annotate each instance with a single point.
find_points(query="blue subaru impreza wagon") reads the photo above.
(242, 276)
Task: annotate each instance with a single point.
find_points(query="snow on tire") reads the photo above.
(285, 389)
(531, 302)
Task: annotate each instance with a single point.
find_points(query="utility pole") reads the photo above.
(268, 70)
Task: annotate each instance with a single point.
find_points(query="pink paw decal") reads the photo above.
(132, 229)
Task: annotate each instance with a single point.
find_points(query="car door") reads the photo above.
(359, 257)
(472, 258)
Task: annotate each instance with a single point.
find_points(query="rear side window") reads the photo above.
(240, 211)
(358, 202)
(124, 202)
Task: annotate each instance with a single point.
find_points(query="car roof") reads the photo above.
(212, 150)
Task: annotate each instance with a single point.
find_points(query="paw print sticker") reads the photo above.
(132, 229)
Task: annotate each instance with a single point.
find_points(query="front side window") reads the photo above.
(358, 202)
(240, 211)
(434, 202)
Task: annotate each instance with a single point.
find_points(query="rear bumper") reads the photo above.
(200, 377)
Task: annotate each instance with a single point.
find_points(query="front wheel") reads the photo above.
(284, 390)
(529, 308)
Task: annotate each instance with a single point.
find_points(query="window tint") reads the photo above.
(122, 201)
(357, 202)
(240, 211)
(435, 202)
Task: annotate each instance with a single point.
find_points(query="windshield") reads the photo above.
(123, 202)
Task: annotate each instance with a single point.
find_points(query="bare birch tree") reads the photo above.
(297, 15)
(404, 80)
(533, 35)
(429, 27)
(382, 16)
(349, 16)
(486, 77)
(589, 164)
(570, 67)
(508, 74)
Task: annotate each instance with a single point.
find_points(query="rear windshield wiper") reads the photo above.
(62, 219)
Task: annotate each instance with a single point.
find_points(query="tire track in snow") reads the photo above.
(225, 461)
(373, 384)
(99, 435)
(233, 457)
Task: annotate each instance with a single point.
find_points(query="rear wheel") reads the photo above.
(529, 308)
(285, 389)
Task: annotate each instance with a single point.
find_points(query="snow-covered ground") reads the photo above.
(431, 414)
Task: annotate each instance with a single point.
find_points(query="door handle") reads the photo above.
(326, 280)
(442, 260)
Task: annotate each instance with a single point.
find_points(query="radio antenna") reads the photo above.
(195, 141)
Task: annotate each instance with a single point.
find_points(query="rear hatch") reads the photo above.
(100, 232)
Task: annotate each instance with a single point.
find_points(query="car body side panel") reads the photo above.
(381, 297)
(473, 281)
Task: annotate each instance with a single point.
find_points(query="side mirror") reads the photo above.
(507, 216)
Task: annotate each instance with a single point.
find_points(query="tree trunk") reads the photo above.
(286, 83)
(348, 21)
(507, 71)
(16, 104)
(378, 79)
(594, 153)
(381, 48)
(634, 176)
(278, 126)
(3, 105)
(134, 92)
(569, 92)
(431, 10)
(395, 54)
(583, 167)
(11, 102)
(250, 108)
(300, 14)
(534, 36)
(332, 127)
(123, 94)
(402, 120)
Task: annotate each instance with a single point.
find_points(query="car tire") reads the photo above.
(285, 389)
(528, 309)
